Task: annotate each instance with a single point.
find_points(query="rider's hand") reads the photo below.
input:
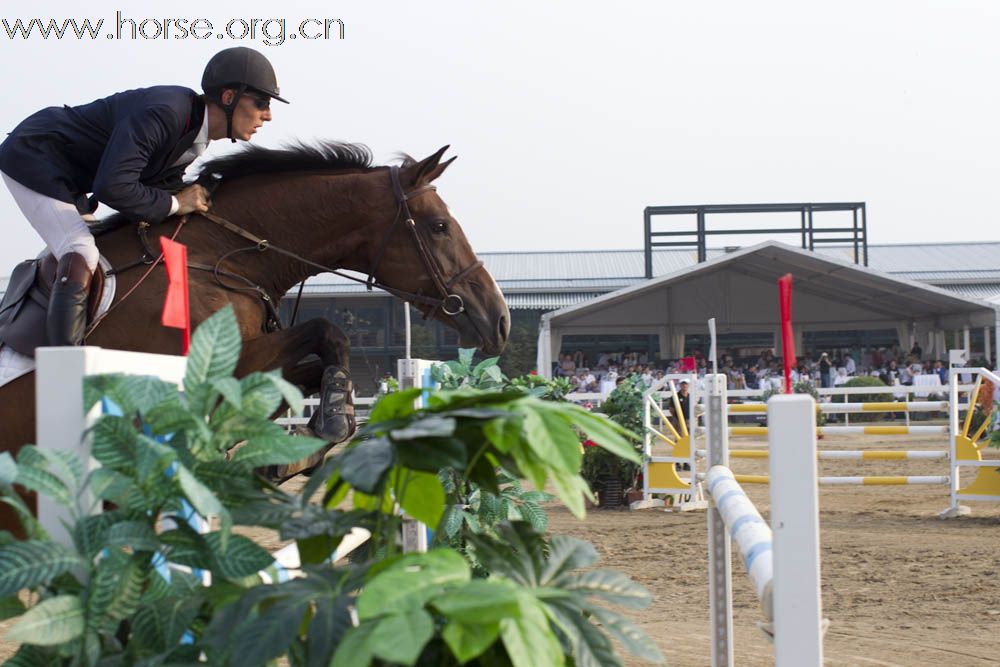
(193, 199)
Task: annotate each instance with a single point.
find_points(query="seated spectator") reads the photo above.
(840, 378)
(941, 370)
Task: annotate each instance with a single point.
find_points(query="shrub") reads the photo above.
(865, 381)
(109, 598)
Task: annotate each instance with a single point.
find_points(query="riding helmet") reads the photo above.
(243, 68)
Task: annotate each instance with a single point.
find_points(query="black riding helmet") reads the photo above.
(240, 69)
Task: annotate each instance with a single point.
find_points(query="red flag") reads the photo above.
(787, 339)
(176, 312)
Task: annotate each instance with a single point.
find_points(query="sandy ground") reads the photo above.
(900, 586)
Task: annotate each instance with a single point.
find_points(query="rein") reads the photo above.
(448, 302)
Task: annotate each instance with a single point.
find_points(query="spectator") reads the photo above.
(850, 366)
(824, 370)
(941, 370)
(568, 366)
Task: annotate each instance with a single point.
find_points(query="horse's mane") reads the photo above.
(322, 156)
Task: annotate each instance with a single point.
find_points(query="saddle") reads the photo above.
(25, 304)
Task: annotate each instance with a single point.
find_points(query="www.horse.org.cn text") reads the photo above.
(269, 32)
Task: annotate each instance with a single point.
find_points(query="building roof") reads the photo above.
(743, 282)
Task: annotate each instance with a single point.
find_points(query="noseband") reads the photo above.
(448, 302)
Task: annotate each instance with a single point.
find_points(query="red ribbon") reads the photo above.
(176, 310)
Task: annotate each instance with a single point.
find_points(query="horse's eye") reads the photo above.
(439, 226)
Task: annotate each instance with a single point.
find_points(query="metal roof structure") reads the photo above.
(970, 269)
(739, 290)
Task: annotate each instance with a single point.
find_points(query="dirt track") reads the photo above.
(900, 586)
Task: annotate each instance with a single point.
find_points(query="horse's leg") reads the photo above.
(17, 428)
(287, 349)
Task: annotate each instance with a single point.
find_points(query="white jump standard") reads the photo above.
(783, 563)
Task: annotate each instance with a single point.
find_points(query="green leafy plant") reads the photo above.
(549, 389)
(508, 597)
(865, 381)
(461, 373)
(624, 406)
(101, 596)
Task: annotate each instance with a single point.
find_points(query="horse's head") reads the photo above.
(425, 253)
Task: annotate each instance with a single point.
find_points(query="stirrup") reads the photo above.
(334, 418)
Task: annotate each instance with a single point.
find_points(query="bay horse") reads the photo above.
(277, 217)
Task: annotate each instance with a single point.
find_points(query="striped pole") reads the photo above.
(747, 528)
(850, 408)
(900, 480)
(847, 454)
(850, 430)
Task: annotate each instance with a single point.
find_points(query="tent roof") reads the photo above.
(739, 289)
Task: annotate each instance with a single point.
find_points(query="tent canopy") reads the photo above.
(740, 291)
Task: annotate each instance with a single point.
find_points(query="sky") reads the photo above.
(569, 118)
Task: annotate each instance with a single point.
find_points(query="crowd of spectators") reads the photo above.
(891, 364)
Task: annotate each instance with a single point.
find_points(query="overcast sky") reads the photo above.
(570, 117)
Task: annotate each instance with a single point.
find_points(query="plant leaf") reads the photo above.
(53, 621)
(242, 556)
(214, 352)
(423, 496)
(609, 585)
(28, 564)
(276, 449)
(268, 636)
(410, 581)
(363, 466)
(469, 641)
(479, 602)
(400, 638)
(627, 633)
(135, 535)
(528, 638)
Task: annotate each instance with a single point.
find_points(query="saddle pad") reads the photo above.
(13, 364)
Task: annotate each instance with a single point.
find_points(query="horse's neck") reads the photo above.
(321, 225)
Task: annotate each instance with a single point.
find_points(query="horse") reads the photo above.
(277, 217)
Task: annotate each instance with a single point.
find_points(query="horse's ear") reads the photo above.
(427, 170)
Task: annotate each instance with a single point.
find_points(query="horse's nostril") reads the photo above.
(503, 328)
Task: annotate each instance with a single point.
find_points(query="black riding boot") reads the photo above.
(334, 417)
(67, 317)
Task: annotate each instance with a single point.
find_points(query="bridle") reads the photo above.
(444, 288)
(448, 302)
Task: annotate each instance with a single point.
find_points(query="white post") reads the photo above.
(798, 610)
(406, 311)
(60, 421)
(967, 345)
(647, 444)
(720, 568)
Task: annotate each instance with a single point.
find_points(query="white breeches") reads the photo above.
(58, 223)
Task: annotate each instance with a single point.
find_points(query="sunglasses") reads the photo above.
(262, 103)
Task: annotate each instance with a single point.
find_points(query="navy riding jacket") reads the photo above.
(121, 148)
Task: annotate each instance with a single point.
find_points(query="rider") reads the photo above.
(130, 151)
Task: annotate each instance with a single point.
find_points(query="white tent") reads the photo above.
(740, 291)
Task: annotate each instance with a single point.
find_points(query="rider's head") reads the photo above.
(241, 82)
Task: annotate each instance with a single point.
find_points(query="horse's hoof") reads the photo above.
(334, 419)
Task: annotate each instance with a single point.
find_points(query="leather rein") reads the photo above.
(448, 302)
